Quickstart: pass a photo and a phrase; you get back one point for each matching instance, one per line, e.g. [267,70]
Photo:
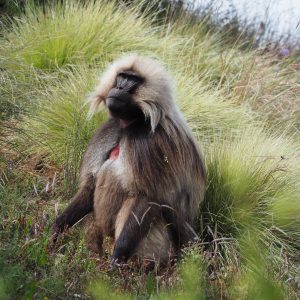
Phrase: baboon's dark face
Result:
[120,99]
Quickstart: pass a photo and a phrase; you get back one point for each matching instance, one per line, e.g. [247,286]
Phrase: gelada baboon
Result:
[142,175]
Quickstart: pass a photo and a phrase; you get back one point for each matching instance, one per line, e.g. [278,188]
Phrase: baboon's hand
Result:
[56,230]
[120,254]
[116,263]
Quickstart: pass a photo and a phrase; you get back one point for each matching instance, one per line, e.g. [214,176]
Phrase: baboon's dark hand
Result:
[120,255]
[117,263]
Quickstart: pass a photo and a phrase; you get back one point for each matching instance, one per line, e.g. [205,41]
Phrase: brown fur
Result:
[123,215]
[149,196]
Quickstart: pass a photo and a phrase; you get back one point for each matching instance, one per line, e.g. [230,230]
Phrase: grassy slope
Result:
[250,218]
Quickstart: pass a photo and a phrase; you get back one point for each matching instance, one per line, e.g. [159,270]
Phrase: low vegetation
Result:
[243,106]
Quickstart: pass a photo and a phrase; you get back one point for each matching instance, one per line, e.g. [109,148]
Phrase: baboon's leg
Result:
[122,216]
[157,246]
[94,237]
[133,223]
[81,204]
[176,227]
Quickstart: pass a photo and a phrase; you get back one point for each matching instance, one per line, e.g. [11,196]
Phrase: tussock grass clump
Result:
[58,126]
[72,32]
[253,183]
[61,115]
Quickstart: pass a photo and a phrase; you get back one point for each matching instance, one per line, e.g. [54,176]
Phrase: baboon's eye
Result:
[120,82]
[128,81]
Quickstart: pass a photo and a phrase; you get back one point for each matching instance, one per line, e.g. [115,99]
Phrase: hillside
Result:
[243,106]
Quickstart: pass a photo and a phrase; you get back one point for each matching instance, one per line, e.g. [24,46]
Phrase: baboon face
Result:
[120,99]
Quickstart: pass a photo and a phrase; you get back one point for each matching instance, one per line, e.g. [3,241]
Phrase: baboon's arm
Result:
[81,204]
[105,138]
[135,229]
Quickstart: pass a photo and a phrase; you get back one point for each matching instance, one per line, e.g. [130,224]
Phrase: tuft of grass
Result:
[59,126]
[253,187]
[58,36]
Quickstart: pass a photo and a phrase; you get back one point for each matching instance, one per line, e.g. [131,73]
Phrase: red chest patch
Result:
[114,153]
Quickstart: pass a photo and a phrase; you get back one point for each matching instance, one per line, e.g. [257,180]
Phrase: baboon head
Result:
[135,88]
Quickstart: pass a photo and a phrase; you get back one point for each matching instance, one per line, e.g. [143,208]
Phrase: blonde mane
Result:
[155,96]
